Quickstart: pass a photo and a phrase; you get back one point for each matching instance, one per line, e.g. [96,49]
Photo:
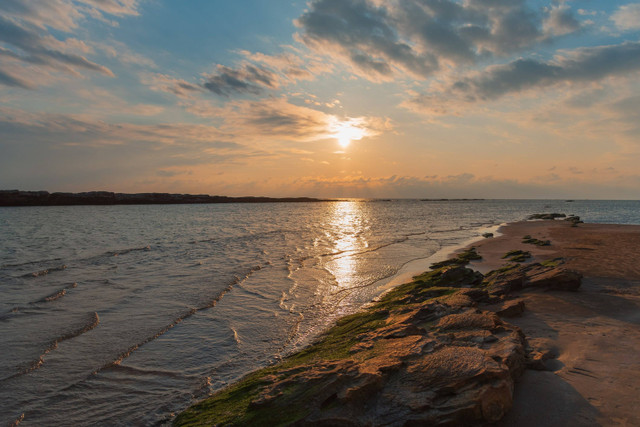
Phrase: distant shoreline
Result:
[12,198]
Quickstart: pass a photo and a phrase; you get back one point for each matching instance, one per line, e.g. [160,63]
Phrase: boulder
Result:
[550,275]
[511,308]
[553,278]
[503,282]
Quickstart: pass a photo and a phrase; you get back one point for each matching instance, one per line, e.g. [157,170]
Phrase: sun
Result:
[344,140]
[347,131]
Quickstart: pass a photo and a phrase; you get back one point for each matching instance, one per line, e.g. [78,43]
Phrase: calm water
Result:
[124,315]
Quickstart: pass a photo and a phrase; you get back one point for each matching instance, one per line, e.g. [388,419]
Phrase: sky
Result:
[322,98]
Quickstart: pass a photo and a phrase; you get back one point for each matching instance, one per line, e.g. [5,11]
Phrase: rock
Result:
[460,275]
[553,278]
[476,294]
[468,320]
[528,239]
[487,235]
[517,256]
[547,216]
[549,275]
[539,352]
[504,282]
[456,372]
[512,308]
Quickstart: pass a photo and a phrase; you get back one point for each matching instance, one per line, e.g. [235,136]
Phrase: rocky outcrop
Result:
[552,278]
[508,308]
[549,276]
[44,198]
[423,354]
[459,371]
[430,352]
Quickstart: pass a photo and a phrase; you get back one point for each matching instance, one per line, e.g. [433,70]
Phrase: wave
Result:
[126,251]
[22,264]
[348,252]
[242,238]
[55,296]
[93,322]
[50,298]
[204,388]
[17,421]
[45,271]
[151,372]
[236,337]
[91,259]
[187,314]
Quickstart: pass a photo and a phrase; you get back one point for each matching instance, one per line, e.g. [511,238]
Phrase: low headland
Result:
[44,198]
[538,326]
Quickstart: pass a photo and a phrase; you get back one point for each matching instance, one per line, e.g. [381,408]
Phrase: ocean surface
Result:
[125,315]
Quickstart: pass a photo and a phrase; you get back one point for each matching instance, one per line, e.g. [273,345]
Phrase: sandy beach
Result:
[593,333]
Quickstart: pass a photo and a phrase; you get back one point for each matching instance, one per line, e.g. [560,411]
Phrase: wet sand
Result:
[594,332]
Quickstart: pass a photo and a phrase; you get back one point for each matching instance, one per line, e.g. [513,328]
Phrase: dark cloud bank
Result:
[420,36]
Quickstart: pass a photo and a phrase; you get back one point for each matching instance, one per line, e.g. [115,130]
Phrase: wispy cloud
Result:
[26,32]
[164,83]
[247,79]
[9,80]
[278,119]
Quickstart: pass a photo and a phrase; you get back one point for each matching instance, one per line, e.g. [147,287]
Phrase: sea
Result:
[126,315]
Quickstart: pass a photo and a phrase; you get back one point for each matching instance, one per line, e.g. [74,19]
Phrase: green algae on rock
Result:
[517,256]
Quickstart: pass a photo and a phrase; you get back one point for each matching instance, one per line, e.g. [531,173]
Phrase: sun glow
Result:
[347,131]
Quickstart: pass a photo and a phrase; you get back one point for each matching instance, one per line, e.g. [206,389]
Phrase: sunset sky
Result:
[327,98]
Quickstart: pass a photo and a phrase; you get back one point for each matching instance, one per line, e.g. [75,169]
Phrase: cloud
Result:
[114,7]
[583,65]
[380,40]
[291,67]
[466,185]
[256,74]
[66,150]
[363,35]
[26,30]
[164,83]
[627,17]
[64,15]
[10,80]
[247,79]
[277,119]
[560,21]
[58,14]
[30,46]
[124,54]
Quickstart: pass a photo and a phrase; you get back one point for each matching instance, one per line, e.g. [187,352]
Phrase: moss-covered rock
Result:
[530,240]
[517,256]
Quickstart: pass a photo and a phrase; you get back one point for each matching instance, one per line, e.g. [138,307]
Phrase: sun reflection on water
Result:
[349,225]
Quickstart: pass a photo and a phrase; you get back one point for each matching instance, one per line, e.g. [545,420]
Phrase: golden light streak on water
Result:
[349,223]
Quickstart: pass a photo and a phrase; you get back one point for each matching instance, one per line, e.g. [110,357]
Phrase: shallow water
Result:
[125,315]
